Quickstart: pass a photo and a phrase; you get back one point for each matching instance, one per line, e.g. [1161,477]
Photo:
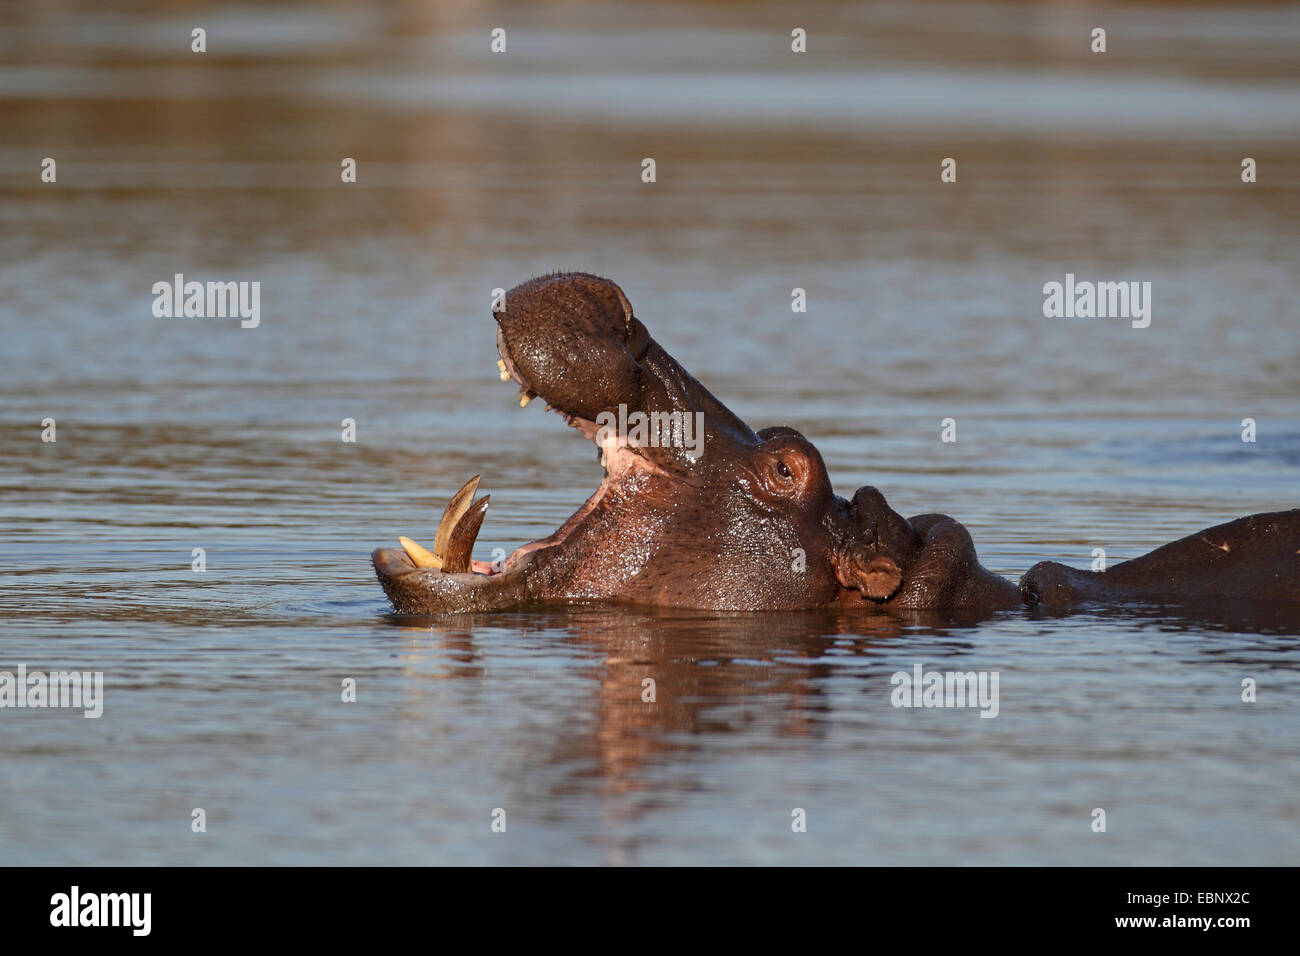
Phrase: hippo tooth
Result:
[456,560]
[419,554]
[456,508]
[501,370]
[525,396]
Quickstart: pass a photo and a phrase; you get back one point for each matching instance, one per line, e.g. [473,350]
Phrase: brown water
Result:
[222,688]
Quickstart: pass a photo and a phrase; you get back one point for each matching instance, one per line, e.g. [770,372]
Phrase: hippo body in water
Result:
[697,510]
[1256,558]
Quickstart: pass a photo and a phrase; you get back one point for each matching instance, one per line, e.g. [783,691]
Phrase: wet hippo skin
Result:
[1257,557]
[705,512]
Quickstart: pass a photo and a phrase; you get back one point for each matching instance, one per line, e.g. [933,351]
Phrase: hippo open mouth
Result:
[697,510]
[458,529]
[572,341]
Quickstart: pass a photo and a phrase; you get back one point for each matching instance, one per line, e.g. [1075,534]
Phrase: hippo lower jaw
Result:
[523,576]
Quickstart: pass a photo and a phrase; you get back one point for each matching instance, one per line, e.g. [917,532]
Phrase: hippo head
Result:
[695,509]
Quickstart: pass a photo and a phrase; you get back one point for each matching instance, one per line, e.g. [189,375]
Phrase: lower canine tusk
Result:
[422,557]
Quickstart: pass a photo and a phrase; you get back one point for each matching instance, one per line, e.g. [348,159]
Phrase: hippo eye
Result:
[782,470]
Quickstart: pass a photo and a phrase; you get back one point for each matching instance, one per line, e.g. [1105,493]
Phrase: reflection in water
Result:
[710,675]
[718,674]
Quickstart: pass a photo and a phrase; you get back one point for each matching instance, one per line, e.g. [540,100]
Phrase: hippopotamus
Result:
[698,510]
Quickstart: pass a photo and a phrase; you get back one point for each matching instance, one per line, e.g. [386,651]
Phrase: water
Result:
[223,689]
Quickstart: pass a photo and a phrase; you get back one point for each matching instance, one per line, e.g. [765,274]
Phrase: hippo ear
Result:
[877,576]
[778,431]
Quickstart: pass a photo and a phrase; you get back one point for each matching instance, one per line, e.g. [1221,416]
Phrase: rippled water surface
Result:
[222,688]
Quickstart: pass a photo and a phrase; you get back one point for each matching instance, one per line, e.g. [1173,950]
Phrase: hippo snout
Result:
[572,339]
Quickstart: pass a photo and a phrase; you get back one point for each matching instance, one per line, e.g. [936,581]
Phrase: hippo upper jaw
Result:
[572,340]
